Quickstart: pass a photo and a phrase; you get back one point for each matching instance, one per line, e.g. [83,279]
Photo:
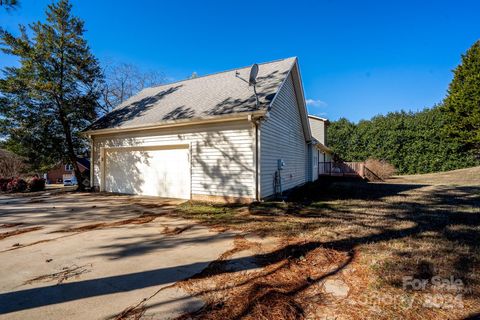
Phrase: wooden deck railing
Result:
[350,169]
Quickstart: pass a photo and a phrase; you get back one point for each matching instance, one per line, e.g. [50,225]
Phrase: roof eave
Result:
[321,146]
[303,109]
[311,116]
[179,123]
[300,95]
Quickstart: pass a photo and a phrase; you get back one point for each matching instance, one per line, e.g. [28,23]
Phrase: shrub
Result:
[381,169]
[36,184]
[17,185]
[3,184]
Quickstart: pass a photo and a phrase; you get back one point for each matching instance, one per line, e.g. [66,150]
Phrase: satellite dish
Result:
[252,80]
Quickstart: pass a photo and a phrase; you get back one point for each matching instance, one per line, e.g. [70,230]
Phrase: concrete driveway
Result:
[92,256]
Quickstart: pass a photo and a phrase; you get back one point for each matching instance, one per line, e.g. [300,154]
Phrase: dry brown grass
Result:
[7,234]
[369,235]
[460,177]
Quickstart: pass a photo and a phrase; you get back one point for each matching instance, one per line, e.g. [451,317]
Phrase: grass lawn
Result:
[408,248]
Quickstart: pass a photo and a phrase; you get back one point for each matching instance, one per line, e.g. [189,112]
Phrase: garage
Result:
[162,171]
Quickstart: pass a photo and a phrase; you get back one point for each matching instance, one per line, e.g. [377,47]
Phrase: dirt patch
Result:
[154,203]
[17,232]
[175,231]
[65,274]
[102,225]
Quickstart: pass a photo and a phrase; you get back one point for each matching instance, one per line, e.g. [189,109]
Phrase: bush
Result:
[381,169]
[3,184]
[17,185]
[36,184]
[20,185]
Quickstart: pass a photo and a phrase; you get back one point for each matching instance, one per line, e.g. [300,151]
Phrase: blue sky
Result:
[357,58]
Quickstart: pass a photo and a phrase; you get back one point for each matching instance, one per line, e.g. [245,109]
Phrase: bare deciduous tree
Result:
[11,165]
[123,80]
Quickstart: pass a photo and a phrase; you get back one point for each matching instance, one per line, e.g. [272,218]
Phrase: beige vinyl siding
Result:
[315,160]
[222,155]
[282,137]
[318,130]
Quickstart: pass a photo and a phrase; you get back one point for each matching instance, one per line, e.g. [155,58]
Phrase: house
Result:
[66,170]
[322,155]
[208,138]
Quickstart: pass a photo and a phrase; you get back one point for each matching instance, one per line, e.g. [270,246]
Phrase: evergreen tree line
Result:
[444,137]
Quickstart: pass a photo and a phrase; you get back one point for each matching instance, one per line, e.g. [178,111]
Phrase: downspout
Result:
[310,161]
[256,127]
[318,164]
[92,164]
[257,175]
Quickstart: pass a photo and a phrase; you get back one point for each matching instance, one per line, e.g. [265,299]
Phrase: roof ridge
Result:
[218,72]
[121,105]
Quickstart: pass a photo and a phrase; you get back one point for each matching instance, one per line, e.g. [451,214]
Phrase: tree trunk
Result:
[71,150]
[73,159]
[66,126]
[78,174]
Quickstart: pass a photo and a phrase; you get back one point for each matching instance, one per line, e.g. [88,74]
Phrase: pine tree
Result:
[462,104]
[9,4]
[53,94]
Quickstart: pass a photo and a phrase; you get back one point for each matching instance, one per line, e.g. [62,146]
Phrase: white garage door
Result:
[159,171]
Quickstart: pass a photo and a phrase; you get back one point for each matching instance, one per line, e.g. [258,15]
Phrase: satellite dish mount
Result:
[252,80]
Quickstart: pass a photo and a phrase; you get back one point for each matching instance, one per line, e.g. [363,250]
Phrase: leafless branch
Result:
[11,165]
[123,80]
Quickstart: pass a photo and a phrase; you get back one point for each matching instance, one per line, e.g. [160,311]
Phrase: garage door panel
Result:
[154,172]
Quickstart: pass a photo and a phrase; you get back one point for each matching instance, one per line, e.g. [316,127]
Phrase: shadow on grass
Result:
[333,188]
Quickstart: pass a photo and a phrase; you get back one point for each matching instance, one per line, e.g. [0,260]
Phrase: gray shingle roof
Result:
[213,95]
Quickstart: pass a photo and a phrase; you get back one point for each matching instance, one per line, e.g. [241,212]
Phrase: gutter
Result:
[179,123]
[92,164]
[322,147]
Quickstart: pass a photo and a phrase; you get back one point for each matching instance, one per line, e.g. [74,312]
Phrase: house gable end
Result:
[284,135]
[294,74]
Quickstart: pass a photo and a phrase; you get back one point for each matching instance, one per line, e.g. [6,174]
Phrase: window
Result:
[69,167]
